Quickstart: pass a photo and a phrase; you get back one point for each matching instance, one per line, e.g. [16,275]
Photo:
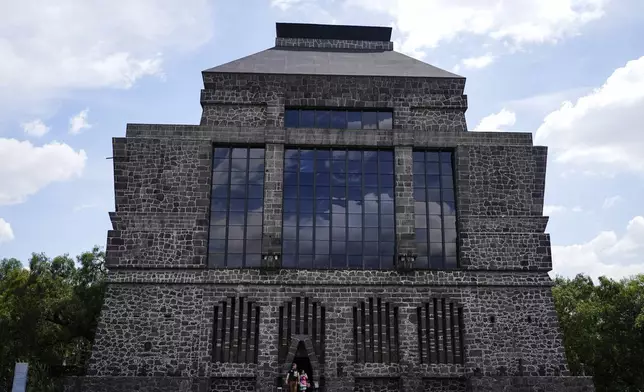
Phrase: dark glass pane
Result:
[385,120]
[354,120]
[387,207]
[289,247]
[355,261]
[322,118]
[306,234]
[372,262]
[216,260]
[371,167]
[388,233]
[235,246]
[354,248]
[386,181]
[419,168]
[419,194]
[448,195]
[386,156]
[369,120]
[432,168]
[446,157]
[434,195]
[387,248]
[305,247]
[387,262]
[305,261]
[290,192]
[217,246]
[447,182]
[338,261]
[339,119]
[307,179]
[220,192]
[419,180]
[291,118]
[256,191]
[370,234]
[322,247]
[256,165]
[322,179]
[253,260]
[450,262]
[433,182]
[387,221]
[288,261]
[422,262]
[306,191]
[307,118]
[432,156]
[290,234]
[386,167]
[419,156]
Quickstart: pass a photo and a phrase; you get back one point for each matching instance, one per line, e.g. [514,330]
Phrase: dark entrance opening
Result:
[302,361]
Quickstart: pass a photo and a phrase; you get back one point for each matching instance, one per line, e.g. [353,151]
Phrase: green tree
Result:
[48,314]
[603,328]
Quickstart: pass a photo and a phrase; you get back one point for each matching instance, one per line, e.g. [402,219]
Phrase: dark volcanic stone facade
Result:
[163,303]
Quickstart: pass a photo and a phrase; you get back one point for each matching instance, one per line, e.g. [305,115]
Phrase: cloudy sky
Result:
[74,72]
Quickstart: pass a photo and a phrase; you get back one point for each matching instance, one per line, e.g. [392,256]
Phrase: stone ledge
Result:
[331,277]
[419,138]
[528,384]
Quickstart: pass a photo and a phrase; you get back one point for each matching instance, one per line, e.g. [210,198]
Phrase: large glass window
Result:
[237,202]
[338,209]
[435,209]
[338,119]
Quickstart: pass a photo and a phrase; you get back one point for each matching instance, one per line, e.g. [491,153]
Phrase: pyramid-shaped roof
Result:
[304,60]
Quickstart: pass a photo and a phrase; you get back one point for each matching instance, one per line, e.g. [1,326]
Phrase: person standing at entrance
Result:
[293,379]
[304,381]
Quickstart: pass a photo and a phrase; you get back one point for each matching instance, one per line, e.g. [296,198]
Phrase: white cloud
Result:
[35,128]
[610,202]
[550,210]
[79,122]
[25,168]
[284,4]
[494,122]
[604,255]
[49,50]
[601,131]
[478,62]
[553,209]
[6,233]
[428,23]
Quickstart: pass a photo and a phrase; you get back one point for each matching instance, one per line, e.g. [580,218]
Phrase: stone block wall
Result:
[254,100]
[162,193]
[161,326]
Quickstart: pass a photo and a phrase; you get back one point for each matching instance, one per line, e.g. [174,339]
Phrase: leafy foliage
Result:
[603,327]
[48,314]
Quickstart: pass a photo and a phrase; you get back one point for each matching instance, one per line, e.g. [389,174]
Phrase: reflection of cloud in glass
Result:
[353,224]
[236,207]
[435,209]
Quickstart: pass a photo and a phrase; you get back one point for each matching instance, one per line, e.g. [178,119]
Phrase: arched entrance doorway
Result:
[301,353]
[303,362]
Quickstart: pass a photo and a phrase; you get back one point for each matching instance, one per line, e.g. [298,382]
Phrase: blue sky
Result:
[75,72]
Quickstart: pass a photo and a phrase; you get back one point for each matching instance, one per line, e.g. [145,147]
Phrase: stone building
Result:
[330,209]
